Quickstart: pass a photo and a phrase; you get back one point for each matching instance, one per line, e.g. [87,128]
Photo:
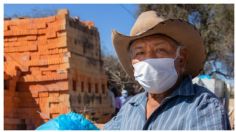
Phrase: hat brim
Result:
[181,31]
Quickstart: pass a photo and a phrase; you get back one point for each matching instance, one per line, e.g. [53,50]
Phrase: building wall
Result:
[41,69]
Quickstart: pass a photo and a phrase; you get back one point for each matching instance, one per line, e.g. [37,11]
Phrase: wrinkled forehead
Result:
[155,39]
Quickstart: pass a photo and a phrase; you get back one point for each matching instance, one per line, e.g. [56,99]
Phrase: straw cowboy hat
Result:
[150,23]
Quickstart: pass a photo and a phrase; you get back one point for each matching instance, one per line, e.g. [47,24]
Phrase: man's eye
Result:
[139,53]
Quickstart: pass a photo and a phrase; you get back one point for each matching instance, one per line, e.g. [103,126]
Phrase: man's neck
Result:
[158,98]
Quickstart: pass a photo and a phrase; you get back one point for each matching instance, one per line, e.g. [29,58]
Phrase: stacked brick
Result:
[44,69]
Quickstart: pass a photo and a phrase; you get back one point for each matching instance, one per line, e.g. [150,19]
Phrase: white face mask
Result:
[156,75]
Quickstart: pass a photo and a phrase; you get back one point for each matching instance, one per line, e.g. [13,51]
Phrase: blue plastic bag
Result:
[69,121]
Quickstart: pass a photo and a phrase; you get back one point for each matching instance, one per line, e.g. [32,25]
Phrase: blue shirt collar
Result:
[184,89]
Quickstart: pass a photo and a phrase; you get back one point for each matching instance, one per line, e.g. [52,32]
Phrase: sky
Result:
[105,17]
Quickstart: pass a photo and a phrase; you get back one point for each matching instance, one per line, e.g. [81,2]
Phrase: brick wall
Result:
[52,65]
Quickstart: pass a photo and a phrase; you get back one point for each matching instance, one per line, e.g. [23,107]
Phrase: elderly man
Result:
[164,56]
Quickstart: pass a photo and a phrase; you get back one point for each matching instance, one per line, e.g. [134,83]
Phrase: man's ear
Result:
[183,59]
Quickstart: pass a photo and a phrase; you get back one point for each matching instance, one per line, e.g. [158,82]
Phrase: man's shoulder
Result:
[137,96]
[204,96]
[208,107]
[136,99]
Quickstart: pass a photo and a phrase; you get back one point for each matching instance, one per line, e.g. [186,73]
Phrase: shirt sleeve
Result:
[209,115]
[115,122]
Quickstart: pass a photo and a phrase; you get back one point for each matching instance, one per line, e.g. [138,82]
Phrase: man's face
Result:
[156,46]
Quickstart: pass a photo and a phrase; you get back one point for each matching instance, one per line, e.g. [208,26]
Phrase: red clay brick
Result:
[32,37]
[43,94]
[41,48]
[51,33]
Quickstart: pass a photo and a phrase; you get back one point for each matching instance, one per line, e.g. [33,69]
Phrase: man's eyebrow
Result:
[138,47]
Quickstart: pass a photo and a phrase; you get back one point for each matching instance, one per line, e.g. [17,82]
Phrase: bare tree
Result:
[117,77]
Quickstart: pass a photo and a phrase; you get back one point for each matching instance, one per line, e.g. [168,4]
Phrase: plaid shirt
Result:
[189,107]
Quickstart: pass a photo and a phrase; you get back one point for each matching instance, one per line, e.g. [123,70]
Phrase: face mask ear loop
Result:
[177,52]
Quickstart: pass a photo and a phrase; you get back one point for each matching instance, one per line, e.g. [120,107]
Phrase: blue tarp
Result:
[69,121]
[204,76]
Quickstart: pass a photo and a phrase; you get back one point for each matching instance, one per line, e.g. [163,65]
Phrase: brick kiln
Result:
[52,65]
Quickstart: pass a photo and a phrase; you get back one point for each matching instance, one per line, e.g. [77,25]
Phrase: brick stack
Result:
[37,48]
[40,65]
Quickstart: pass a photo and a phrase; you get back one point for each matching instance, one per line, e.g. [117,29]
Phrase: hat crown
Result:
[144,22]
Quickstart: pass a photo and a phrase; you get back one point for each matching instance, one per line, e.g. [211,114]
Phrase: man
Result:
[164,56]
